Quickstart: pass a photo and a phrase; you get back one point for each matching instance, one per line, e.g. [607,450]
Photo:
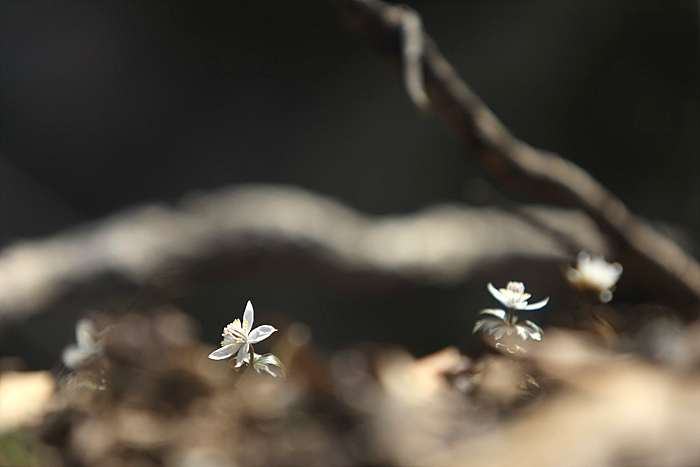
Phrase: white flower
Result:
[267,363]
[504,324]
[88,345]
[238,338]
[514,297]
[594,273]
[498,326]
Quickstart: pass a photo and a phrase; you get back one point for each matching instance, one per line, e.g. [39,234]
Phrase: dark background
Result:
[109,104]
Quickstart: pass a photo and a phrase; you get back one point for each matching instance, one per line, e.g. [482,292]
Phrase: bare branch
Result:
[515,164]
[218,234]
[411,29]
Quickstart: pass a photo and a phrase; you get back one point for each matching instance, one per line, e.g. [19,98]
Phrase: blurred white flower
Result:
[514,297]
[596,274]
[88,345]
[498,326]
[267,363]
[238,338]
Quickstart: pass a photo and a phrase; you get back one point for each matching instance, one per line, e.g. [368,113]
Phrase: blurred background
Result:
[109,105]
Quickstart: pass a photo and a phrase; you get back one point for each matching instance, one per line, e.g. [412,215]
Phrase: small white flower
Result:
[88,345]
[503,325]
[514,297]
[238,338]
[267,363]
[594,273]
[497,326]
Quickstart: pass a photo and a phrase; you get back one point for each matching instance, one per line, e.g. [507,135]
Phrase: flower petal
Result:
[573,276]
[497,294]
[489,323]
[583,257]
[499,331]
[226,351]
[274,370]
[535,306]
[242,352]
[228,340]
[534,326]
[495,312]
[248,317]
[522,331]
[535,331]
[73,357]
[270,364]
[260,333]
[86,335]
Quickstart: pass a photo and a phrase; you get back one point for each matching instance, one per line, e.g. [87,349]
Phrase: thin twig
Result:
[411,28]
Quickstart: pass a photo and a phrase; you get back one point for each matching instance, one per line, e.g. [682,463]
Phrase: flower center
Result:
[236,332]
[516,288]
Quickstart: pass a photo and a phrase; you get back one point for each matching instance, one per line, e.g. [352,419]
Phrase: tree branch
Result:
[645,252]
[284,231]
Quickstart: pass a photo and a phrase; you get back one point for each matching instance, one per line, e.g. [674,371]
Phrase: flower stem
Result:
[247,368]
[601,326]
[511,315]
